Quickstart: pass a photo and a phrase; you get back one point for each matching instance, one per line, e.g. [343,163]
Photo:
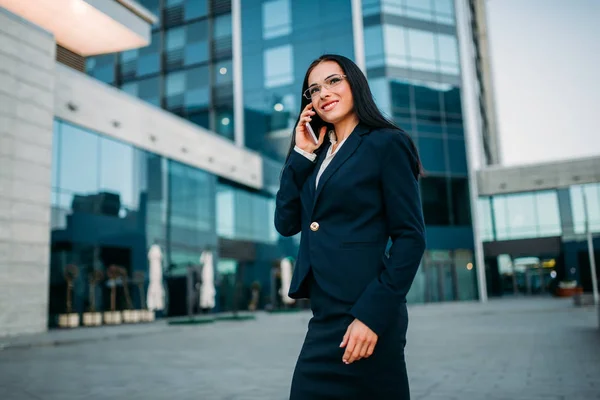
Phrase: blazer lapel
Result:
[320,158]
[347,149]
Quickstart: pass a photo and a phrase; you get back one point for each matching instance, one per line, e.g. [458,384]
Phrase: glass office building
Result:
[411,57]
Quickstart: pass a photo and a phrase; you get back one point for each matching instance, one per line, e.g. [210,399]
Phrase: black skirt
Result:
[320,372]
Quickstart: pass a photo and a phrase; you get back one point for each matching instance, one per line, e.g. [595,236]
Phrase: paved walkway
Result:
[519,349]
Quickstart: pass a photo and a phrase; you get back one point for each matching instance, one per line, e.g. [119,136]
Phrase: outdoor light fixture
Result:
[116,123]
[71,106]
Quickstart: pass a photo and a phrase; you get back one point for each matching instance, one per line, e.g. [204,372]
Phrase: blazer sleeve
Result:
[380,302]
[288,206]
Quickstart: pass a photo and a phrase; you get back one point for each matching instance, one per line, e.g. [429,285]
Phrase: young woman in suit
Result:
[348,194]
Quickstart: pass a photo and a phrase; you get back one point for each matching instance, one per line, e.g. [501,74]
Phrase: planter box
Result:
[113,318]
[148,315]
[569,292]
[132,316]
[92,319]
[68,320]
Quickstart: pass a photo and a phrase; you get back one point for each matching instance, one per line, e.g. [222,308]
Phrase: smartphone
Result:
[312,133]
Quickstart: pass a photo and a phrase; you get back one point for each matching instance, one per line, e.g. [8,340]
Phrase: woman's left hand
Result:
[359,341]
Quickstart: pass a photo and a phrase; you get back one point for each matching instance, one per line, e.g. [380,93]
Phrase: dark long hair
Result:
[364,105]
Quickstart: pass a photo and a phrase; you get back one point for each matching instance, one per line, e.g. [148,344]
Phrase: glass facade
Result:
[111,201]
[413,68]
[279,40]
[187,67]
[412,59]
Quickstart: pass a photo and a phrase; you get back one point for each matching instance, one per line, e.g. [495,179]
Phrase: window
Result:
[241,215]
[419,9]
[283,112]
[197,88]
[102,68]
[188,89]
[444,11]
[224,123]
[278,66]
[141,62]
[484,213]
[448,54]
[395,46]
[192,203]
[195,9]
[277,19]
[222,27]
[374,50]
[78,160]
[452,105]
[461,201]
[432,154]
[392,7]
[187,45]
[146,89]
[177,12]
[548,214]
[458,156]
[223,71]
[380,88]
[427,99]
[435,201]
[117,171]
[422,50]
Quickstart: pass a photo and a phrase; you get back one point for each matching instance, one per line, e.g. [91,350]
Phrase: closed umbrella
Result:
[207,290]
[155,299]
[286,279]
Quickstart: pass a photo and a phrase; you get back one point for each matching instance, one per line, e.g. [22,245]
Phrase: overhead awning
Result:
[89,27]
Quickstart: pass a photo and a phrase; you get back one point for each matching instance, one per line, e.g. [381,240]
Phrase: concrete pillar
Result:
[27,62]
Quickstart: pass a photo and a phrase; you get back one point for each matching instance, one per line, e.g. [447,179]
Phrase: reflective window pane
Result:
[374,50]
[222,26]
[395,48]
[79,160]
[277,19]
[458,156]
[223,72]
[461,201]
[196,9]
[432,154]
[117,172]
[278,66]
[420,9]
[434,195]
[548,214]
[484,215]
[421,44]
[448,54]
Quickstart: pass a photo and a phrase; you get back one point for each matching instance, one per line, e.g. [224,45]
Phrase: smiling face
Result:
[333,104]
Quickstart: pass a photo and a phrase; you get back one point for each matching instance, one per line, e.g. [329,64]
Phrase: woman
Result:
[348,195]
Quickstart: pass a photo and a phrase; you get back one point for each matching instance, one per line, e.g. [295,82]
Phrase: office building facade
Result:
[179,140]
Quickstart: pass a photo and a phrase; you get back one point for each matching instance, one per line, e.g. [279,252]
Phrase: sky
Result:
[546,71]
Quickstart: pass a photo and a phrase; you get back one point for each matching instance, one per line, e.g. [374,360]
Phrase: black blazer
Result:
[368,194]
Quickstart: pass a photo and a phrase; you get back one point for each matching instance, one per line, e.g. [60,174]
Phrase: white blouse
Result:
[328,158]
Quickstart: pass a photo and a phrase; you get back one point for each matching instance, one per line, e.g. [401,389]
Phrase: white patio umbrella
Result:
[155,299]
[286,280]
[207,290]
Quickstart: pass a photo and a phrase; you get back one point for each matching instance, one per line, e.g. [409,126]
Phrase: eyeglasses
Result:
[328,83]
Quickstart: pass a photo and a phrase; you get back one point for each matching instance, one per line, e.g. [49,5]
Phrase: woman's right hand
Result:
[304,139]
